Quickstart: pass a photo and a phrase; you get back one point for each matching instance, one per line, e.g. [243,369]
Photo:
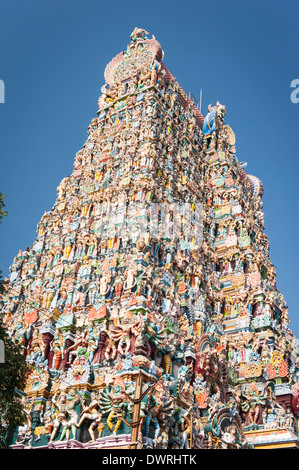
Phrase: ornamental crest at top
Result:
[142,54]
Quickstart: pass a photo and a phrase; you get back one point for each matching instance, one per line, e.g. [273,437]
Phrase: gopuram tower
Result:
[147,307]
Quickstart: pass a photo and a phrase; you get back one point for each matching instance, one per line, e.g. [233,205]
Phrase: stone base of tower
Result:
[122,441]
[272,439]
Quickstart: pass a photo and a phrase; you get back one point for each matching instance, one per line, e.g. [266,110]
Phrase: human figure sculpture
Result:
[60,417]
[104,285]
[93,413]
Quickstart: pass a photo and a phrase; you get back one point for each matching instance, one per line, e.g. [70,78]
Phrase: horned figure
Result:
[213,119]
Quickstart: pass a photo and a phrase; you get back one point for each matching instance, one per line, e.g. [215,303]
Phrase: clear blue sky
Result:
[243,53]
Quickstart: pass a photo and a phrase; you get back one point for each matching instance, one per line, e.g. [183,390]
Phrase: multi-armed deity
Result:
[147,307]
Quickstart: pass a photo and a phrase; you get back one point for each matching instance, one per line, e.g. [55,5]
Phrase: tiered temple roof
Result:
[147,307]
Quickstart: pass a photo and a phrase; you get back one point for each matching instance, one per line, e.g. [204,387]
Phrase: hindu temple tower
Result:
[147,307]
